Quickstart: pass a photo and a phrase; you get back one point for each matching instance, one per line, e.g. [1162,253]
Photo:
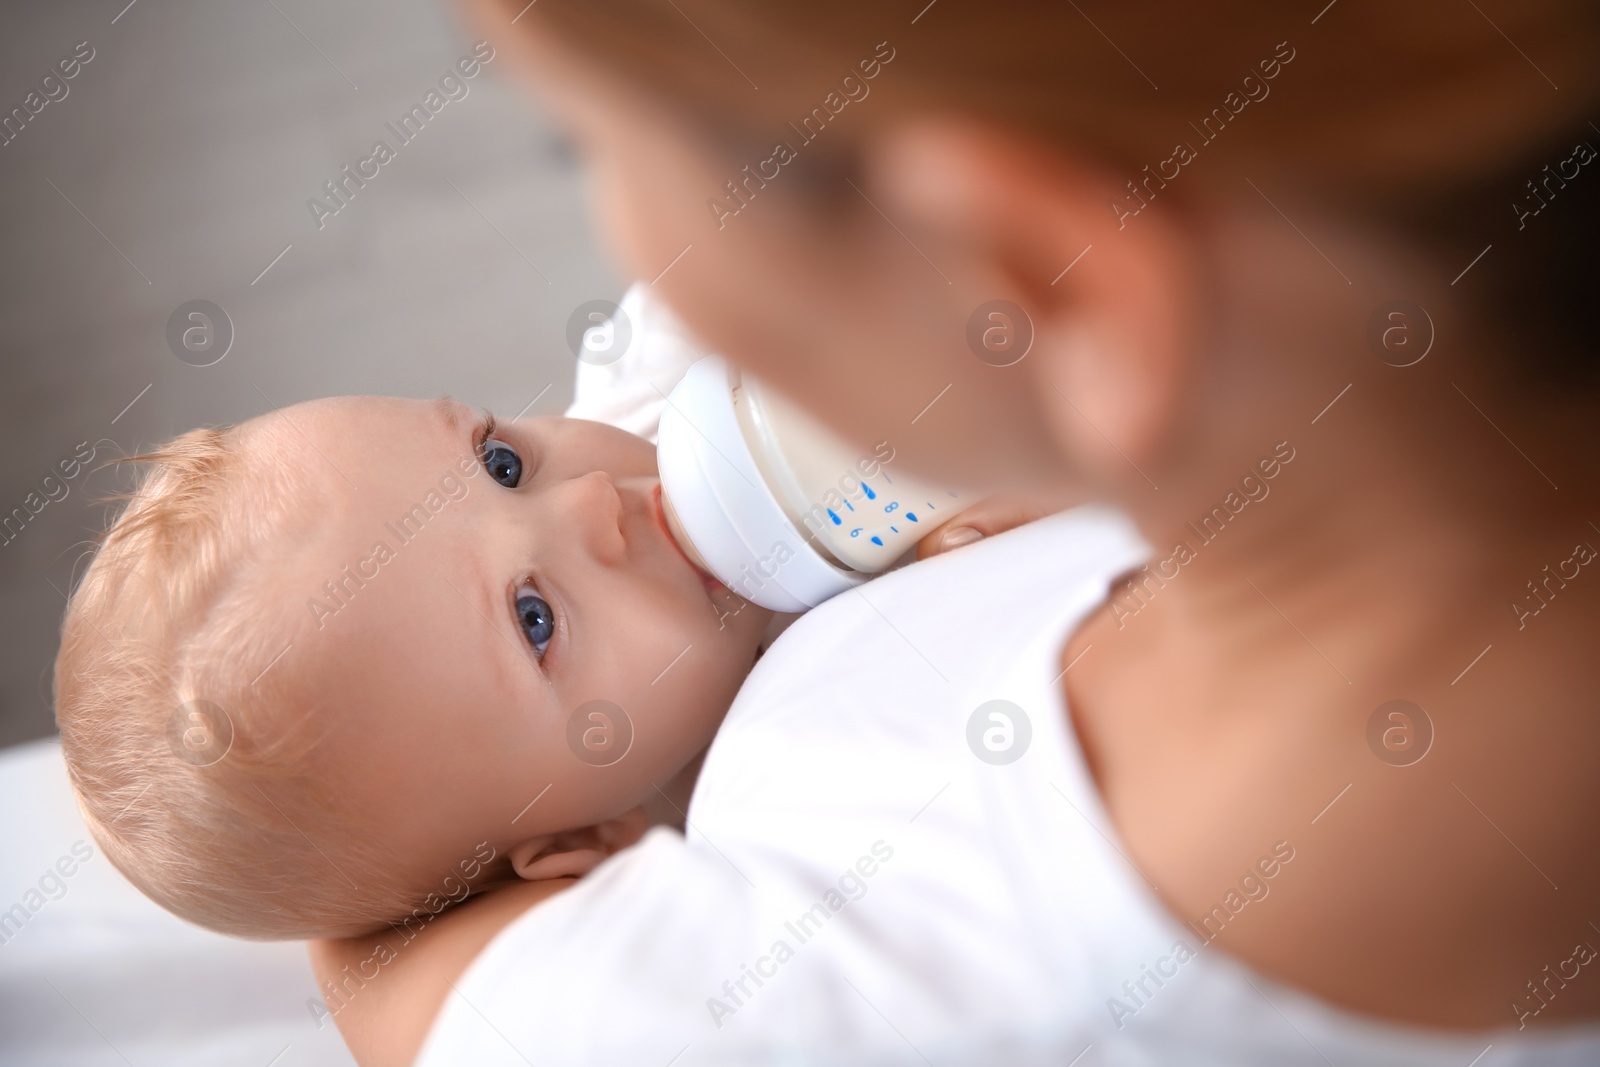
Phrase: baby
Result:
[357,659]
[353,660]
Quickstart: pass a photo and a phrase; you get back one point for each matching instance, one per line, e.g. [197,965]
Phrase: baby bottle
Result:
[771,503]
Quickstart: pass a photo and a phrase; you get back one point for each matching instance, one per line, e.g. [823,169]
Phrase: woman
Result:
[1299,293]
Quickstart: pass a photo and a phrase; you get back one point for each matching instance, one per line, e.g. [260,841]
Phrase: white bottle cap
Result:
[715,489]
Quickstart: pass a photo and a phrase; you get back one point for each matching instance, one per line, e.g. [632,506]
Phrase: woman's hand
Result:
[991,515]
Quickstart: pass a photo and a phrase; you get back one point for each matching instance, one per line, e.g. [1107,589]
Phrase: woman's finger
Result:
[989,516]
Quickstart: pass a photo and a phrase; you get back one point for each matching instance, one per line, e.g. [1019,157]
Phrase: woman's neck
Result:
[1327,503]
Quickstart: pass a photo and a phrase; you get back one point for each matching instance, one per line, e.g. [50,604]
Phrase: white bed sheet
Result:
[100,975]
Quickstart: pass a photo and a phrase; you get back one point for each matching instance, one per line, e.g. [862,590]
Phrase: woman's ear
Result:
[1109,295]
[574,853]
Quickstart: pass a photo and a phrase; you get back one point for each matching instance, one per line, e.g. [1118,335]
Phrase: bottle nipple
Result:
[679,537]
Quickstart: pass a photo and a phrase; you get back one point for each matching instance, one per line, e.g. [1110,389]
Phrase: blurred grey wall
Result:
[177,167]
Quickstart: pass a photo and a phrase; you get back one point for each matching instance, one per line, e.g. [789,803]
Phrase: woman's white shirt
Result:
[884,864]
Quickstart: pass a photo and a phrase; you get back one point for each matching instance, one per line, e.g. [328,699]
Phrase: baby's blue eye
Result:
[502,463]
[538,621]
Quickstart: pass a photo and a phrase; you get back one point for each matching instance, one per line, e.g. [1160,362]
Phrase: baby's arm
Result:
[386,1025]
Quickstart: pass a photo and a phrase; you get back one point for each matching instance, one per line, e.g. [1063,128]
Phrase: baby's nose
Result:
[592,505]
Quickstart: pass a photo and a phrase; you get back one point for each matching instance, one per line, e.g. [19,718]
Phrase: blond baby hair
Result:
[190,748]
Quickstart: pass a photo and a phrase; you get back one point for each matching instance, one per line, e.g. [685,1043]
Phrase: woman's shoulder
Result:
[1444,847]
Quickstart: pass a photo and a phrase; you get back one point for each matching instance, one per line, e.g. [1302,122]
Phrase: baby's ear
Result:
[574,853]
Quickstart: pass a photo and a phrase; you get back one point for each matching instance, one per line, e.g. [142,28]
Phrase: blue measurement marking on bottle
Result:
[870,494]
[886,477]
[911,515]
[896,529]
[836,520]
[849,505]
[931,507]
[877,540]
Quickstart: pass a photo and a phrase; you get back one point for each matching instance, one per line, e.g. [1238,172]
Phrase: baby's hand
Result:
[991,515]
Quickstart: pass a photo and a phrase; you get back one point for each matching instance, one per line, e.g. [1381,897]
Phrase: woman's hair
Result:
[189,746]
[1432,120]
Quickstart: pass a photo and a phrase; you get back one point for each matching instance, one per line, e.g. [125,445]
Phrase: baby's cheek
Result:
[742,630]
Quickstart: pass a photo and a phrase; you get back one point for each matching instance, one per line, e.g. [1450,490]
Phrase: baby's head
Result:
[361,656]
